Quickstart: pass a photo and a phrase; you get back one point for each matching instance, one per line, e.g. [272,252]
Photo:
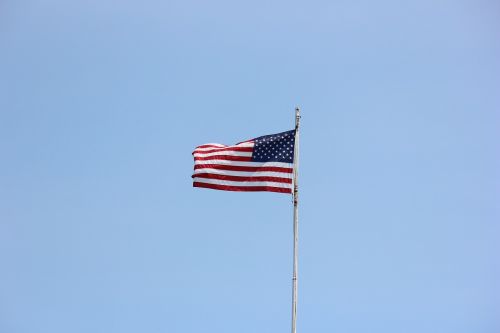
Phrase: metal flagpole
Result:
[295,219]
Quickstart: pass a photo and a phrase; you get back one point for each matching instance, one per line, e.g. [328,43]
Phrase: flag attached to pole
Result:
[261,164]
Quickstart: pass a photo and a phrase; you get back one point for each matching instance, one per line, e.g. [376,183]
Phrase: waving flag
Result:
[261,164]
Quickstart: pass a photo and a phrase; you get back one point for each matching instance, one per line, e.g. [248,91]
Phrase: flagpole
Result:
[295,219]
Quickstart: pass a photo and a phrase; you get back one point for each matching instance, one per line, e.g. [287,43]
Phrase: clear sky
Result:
[102,103]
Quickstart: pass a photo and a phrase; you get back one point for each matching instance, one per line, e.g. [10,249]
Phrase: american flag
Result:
[261,164]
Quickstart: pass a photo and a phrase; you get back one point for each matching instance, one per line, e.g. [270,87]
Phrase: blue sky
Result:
[102,103]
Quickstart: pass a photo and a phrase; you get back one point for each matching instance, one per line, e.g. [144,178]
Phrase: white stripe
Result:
[250,164]
[245,173]
[246,184]
[245,144]
[226,153]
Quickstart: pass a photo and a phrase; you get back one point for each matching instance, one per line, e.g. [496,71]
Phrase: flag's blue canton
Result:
[274,148]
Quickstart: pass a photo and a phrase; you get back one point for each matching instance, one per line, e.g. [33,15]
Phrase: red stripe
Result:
[243,179]
[242,168]
[225,158]
[243,188]
[245,149]
[251,140]
[210,146]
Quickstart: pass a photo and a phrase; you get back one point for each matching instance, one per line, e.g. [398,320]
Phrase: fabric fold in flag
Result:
[261,164]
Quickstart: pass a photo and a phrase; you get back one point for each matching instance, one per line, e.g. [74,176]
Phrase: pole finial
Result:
[297,117]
